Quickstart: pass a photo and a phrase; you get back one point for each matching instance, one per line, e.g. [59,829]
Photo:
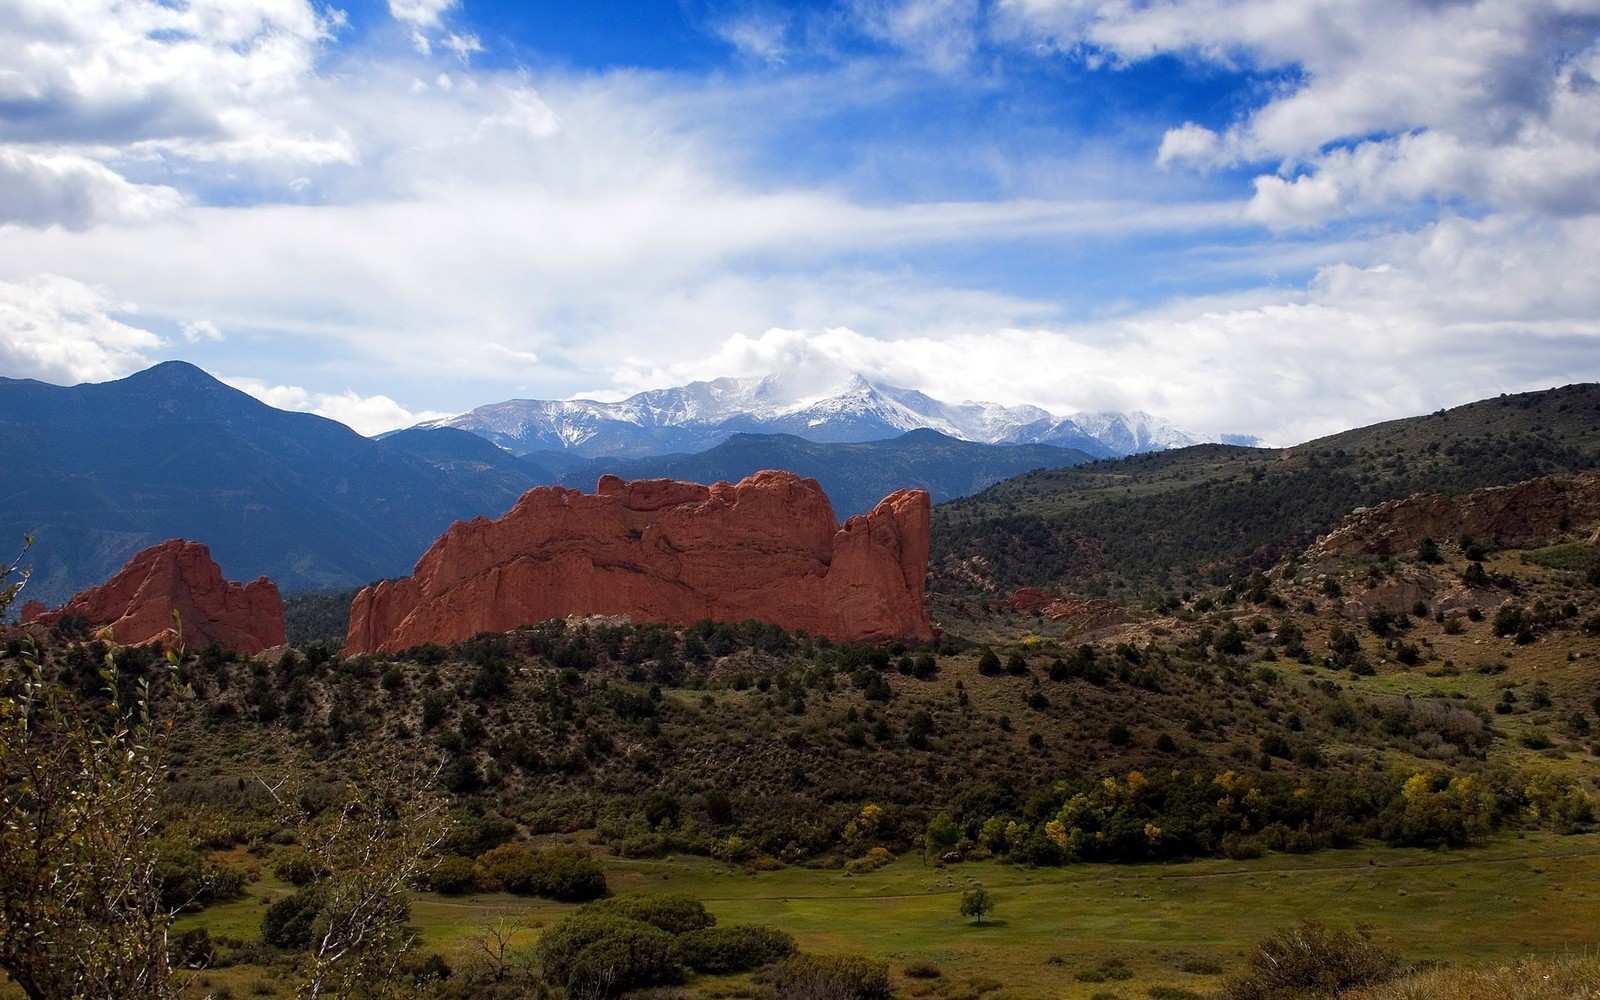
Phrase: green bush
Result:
[719,950]
[453,876]
[1311,960]
[564,874]
[289,922]
[296,867]
[833,977]
[675,913]
[601,954]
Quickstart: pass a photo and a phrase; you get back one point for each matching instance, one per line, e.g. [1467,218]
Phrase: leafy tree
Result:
[941,837]
[1428,551]
[80,881]
[976,902]
[369,846]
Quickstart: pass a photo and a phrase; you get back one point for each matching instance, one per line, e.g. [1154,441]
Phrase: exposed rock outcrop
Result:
[177,575]
[1535,512]
[656,550]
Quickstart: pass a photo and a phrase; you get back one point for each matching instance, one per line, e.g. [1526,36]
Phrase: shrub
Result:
[833,977]
[564,874]
[1308,960]
[453,876]
[601,954]
[296,867]
[989,664]
[921,970]
[719,950]
[288,923]
[675,914]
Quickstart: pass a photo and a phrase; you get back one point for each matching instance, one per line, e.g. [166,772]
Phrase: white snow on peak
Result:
[849,408]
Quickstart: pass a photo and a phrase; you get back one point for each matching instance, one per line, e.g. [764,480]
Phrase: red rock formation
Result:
[31,610]
[1535,512]
[1027,599]
[137,604]
[656,550]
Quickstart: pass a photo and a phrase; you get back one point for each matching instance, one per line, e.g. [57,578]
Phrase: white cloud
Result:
[59,330]
[1471,309]
[762,35]
[99,90]
[941,34]
[73,192]
[367,415]
[1393,101]
[195,331]
[462,46]
[422,13]
[1190,143]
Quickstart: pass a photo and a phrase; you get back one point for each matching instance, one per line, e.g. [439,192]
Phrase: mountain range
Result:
[96,472]
[702,415]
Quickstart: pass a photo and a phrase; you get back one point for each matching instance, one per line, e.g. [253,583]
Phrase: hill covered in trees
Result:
[1164,522]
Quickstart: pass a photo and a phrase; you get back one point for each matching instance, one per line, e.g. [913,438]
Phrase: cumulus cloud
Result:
[1377,101]
[367,415]
[1462,310]
[95,92]
[73,192]
[59,330]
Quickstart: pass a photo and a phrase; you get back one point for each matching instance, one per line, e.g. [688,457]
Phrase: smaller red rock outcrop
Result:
[1534,512]
[657,550]
[177,575]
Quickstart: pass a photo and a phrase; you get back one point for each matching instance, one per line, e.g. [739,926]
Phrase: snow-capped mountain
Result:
[701,415]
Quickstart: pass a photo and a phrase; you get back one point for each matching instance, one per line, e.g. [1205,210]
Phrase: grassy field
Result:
[1078,932]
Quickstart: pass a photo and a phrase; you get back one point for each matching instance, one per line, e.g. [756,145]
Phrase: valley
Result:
[1150,762]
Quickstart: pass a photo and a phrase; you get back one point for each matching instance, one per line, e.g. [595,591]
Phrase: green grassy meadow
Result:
[1076,932]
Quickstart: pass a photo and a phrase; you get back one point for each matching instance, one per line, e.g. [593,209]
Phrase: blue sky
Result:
[1275,217]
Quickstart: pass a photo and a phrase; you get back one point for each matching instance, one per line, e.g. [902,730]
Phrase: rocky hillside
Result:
[1165,522]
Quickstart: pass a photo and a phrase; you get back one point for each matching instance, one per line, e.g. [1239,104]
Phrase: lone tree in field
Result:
[975,902]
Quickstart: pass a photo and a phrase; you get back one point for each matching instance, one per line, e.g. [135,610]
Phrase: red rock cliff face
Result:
[656,550]
[1535,512]
[138,602]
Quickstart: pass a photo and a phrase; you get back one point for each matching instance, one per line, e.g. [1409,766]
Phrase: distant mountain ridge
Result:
[854,475]
[99,471]
[702,415]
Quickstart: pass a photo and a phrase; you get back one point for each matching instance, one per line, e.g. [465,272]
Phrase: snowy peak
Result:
[1134,432]
[701,415]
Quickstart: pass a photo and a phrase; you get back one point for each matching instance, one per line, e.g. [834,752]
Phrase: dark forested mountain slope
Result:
[1169,520]
[97,472]
[855,476]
